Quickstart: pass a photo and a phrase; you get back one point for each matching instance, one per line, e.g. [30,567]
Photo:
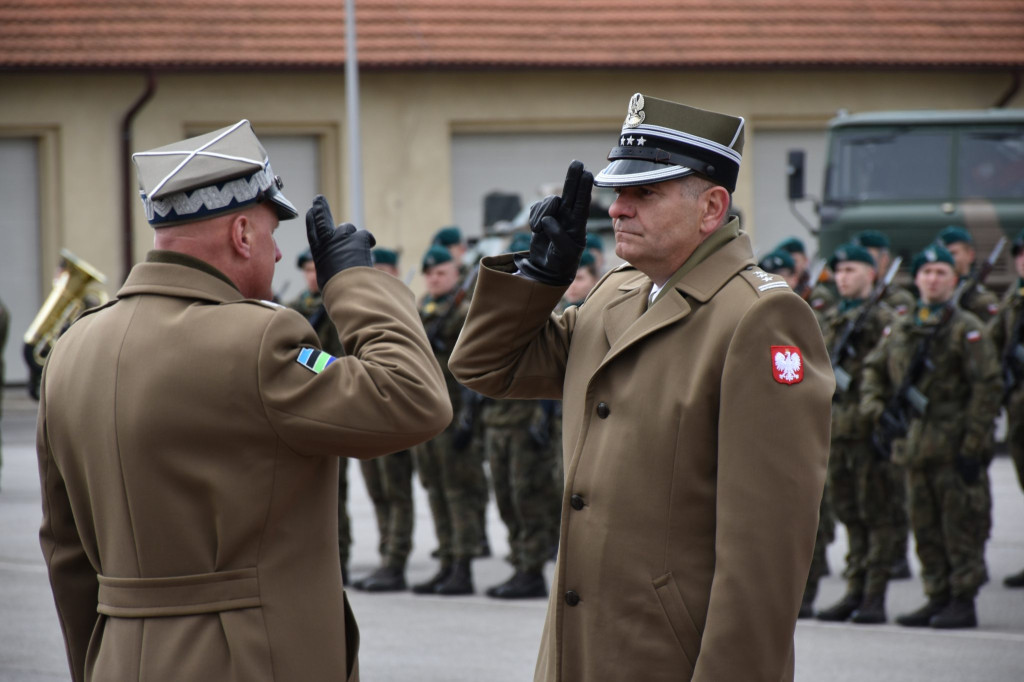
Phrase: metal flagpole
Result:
[355,155]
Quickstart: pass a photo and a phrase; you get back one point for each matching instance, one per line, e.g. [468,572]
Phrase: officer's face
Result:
[658,226]
[441,279]
[963,256]
[936,282]
[853,279]
[264,253]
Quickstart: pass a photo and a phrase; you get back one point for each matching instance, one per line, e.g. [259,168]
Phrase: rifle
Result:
[982,274]
[1013,358]
[810,277]
[434,330]
[908,401]
[843,346]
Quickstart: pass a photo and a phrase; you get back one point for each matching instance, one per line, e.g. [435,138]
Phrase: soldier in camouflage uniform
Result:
[451,474]
[309,304]
[389,484]
[901,302]
[1007,331]
[860,483]
[450,238]
[980,301]
[946,441]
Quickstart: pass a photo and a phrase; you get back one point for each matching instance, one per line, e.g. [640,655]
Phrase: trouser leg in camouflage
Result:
[344,525]
[947,516]
[374,480]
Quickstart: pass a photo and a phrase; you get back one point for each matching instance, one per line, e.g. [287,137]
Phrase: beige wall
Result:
[407,120]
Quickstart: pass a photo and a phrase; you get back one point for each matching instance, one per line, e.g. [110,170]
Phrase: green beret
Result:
[304,258]
[587,260]
[872,239]
[448,236]
[851,252]
[1018,244]
[777,260]
[435,255]
[791,245]
[594,242]
[932,254]
[520,242]
[954,234]
[385,256]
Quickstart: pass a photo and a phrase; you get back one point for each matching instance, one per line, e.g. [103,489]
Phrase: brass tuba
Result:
[76,282]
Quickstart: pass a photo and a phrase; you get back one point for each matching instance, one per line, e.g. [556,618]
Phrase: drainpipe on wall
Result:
[1011,92]
[127,182]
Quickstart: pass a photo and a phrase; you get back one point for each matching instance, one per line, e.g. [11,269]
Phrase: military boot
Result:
[523,585]
[430,587]
[871,611]
[923,616]
[459,581]
[900,569]
[385,579]
[842,609]
[1015,580]
[493,589]
[959,614]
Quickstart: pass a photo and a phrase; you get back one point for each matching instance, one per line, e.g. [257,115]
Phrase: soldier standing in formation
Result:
[450,472]
[1008,335]
[978,300]
[310,305]
[901,302]
[189,433]
[947,439]
[675,507]
[389,484]
[860,483]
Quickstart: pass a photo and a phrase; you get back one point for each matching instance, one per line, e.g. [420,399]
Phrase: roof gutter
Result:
[127,195]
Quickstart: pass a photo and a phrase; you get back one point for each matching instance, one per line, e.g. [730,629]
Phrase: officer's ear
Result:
[716,203]
[240,234]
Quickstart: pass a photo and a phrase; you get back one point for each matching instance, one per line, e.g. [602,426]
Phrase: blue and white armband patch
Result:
[314,360]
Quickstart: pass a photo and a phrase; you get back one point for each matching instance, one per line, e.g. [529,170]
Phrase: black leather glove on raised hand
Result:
[559,226]
[335,249]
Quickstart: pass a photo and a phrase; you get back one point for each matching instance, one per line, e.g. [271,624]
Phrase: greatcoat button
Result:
[571,598]
[576,502]
[602,410]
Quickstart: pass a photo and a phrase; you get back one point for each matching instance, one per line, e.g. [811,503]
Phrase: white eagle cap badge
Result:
[787,364]
[635,114]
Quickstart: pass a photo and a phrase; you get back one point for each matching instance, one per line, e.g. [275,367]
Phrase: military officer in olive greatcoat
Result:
[686,533]
[189,434]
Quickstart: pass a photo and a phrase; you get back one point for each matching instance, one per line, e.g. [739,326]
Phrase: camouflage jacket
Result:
[309,304]
[982,302]
[847,420]
[962,386]
[443,325]
[1001,329]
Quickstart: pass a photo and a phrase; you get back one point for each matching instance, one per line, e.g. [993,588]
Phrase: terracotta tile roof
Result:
[309,34]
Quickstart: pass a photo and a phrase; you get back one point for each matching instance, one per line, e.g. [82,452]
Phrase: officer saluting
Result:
[686,537]
[189,434]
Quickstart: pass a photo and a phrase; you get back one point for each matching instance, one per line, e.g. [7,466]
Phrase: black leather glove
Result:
[335,249]
[559,226]
[969,468]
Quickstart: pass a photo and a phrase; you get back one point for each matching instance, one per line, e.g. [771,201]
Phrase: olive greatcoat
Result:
[692,475]
[189,469]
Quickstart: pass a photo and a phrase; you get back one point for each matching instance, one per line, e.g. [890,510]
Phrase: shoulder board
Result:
[763,282]
[260,302]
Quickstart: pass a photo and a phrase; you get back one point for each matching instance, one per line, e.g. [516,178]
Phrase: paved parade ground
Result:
[406,637]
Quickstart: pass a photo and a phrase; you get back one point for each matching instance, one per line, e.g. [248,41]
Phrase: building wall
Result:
[408,119]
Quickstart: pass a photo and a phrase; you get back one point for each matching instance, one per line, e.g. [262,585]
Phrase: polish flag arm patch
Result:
[787,364]
[973,336]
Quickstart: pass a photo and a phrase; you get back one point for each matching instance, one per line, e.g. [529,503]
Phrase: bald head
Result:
[239,244]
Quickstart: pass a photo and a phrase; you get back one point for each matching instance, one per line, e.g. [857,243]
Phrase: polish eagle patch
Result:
[787,364]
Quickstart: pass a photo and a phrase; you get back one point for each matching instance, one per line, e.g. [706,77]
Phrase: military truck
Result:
[912,173]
